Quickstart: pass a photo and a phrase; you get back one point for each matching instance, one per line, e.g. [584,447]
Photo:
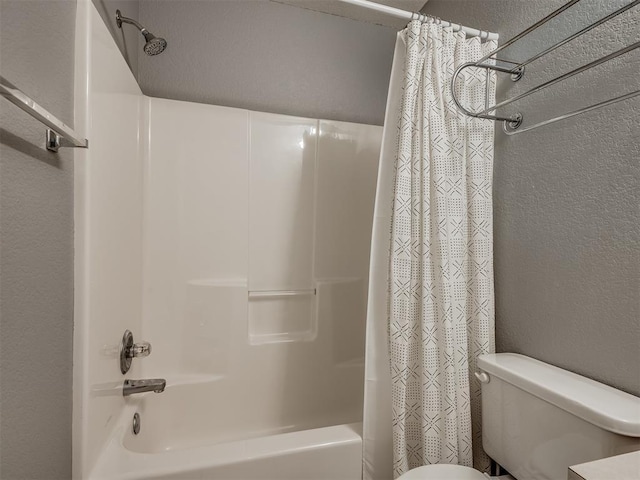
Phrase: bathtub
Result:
[177,443]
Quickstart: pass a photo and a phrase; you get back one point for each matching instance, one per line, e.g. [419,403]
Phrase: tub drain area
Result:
[136,423]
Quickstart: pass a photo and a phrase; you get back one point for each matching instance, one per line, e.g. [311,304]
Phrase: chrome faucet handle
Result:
[137,350]
[130,350]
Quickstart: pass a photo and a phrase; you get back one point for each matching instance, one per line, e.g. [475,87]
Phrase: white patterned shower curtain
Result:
[431,306]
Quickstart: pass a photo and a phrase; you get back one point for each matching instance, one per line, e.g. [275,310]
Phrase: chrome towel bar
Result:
[512,123]
[626,96]
[612,15]
[564,76]
[58,135]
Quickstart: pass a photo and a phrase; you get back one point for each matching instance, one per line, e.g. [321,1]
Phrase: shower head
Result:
[154,45]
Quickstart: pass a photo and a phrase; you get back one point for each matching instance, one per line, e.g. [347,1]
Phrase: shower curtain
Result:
[431,306]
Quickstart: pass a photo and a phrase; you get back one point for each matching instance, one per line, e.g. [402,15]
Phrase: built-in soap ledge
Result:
[282,315]
[336,306]
[219,282]
[256,294]
[269,338]
[620,467]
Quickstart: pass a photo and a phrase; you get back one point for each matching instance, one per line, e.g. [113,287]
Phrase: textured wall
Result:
[36,238]
[128,37]
[270,57]
[567,198]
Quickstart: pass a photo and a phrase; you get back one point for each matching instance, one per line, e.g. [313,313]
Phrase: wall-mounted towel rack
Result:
[58,135]
[512,123]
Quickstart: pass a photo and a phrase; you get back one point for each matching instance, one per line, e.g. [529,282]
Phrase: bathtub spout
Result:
[131,387]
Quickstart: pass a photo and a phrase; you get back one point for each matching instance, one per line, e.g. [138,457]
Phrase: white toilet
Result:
[538,420]
[443,472]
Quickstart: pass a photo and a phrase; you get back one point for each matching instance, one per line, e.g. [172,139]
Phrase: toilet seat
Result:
[443,472]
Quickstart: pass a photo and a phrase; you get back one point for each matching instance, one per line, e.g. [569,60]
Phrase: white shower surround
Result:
[155,256]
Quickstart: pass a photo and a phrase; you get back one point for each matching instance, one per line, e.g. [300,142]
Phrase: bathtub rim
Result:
[116,462]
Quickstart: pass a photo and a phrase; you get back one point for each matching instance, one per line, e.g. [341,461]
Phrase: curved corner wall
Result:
[108,233]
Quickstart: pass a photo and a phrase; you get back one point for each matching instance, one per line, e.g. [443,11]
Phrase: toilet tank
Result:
[538,419]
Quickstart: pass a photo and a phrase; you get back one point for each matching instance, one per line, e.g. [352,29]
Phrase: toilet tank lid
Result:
[594,402]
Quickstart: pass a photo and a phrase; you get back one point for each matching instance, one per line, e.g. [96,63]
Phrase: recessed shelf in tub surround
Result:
[254,294]
[335,309]
[216,282]
[277,318]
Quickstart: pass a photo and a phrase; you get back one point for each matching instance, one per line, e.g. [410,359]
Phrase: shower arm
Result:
[154,45]
[120,20]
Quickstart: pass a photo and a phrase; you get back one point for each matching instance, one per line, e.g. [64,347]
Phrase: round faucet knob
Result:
[130,350]
[142,349]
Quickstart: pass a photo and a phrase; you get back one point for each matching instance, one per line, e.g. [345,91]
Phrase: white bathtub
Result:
[173,443]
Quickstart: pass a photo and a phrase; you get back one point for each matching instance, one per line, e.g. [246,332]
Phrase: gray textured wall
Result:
[36,245]
[269,57]
[567,199]
[128,37]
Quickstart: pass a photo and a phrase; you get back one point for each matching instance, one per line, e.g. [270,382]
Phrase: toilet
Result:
[538,420]
[443,472]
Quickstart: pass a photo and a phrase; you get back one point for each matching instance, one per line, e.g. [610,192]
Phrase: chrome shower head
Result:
[154,45]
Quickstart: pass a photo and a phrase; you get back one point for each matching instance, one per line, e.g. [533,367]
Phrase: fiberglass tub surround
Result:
[247,270]
[255,278]
[255,295]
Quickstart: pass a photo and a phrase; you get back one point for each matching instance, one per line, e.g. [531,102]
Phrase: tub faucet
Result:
[131,387]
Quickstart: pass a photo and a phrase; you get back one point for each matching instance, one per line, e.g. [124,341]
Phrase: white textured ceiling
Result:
[335,7]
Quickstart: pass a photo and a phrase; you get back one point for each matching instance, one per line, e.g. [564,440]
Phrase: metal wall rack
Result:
[58,134]
[511,124]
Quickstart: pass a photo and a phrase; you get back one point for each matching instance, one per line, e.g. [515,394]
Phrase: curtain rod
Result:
[396,12]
